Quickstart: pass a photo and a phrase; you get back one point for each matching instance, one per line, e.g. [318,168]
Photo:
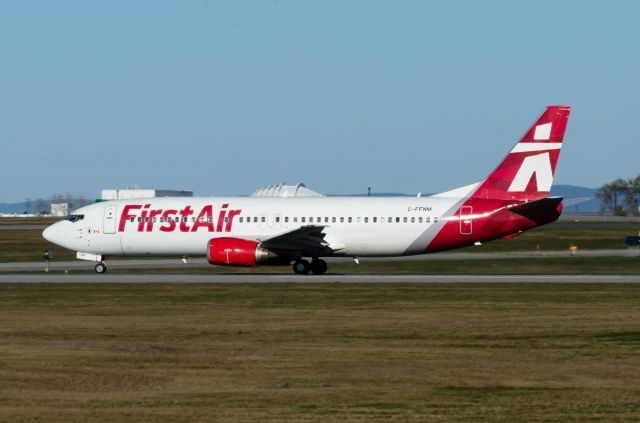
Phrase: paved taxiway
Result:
[329,278]
[177,264]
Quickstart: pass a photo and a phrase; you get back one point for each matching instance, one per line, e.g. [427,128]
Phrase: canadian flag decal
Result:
[540,164]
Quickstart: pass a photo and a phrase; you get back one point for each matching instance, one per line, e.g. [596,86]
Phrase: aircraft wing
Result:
[308,240]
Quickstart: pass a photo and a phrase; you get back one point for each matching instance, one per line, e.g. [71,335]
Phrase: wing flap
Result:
[305,240]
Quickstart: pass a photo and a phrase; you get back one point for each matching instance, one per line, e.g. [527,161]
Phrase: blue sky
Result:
[223,97]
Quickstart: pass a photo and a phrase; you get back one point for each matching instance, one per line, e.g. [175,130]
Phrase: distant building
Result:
[59,209]
[284,190]
[130,193]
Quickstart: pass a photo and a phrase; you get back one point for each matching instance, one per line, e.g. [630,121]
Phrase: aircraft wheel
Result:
[318,267]
[101,267]
[301,267]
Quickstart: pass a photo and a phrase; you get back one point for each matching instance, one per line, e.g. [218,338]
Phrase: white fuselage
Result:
[353,226]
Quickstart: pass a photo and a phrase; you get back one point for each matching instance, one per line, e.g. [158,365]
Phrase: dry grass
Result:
[351,352]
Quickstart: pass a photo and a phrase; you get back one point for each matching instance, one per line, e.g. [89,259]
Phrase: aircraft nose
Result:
[52,233]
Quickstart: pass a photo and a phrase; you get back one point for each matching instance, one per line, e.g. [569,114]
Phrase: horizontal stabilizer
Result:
[543,210]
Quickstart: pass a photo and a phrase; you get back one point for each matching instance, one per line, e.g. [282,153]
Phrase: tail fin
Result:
[527,171]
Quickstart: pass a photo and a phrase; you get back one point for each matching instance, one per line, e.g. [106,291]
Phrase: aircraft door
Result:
[110,219]
[466,221]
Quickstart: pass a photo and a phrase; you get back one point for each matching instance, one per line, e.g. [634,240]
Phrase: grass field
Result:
[326,352]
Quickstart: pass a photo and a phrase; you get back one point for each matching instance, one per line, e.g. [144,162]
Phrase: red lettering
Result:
[170,224]
[231,215]
[204,219]
[184,214]
[125,216]
[221,217]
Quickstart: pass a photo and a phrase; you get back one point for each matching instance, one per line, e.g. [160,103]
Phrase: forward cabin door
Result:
[110,219]
[466,222]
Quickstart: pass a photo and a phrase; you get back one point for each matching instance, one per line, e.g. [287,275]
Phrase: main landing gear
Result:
[101,267]
[303,267]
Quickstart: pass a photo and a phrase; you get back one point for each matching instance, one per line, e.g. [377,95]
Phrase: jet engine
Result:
[227,251]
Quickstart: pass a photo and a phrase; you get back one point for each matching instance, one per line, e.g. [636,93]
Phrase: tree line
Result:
[43,206]
[620,197]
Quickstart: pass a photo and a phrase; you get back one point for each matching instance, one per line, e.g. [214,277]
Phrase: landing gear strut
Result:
[101,267]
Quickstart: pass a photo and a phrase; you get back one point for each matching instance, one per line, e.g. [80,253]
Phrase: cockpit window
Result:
[74,217]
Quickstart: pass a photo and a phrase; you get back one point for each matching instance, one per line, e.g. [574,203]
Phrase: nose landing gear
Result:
[101,268]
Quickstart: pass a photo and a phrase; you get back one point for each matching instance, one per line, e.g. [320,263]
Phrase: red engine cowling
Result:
[236,252]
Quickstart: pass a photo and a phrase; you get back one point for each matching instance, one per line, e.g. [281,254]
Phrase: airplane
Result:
[255,231]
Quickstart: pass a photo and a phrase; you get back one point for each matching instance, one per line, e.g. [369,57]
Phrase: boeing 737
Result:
[252,231]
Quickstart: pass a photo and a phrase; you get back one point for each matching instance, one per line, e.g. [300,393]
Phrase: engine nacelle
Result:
[227,251]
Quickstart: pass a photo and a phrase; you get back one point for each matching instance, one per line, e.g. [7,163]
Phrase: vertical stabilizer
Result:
[527,171]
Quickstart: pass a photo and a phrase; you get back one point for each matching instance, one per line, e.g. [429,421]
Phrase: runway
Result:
[329,278]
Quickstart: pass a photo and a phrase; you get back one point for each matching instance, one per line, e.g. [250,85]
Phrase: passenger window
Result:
[239,219]
[286,219]
[161,219]
[133,219]
[390,220]
[333,220]
[226,219]
[255,219]
[420,220]
[193,219]
[366,220]
[342,220]
[146,219]
[139,219]
[302,219]
[435,220]
[311,220]
[295,219]
[326,220]
[262,219]
[319,220]
[277,219]
[154,219]
[428,219]
[185,220]
[349,220]
[397,220]
[375,220]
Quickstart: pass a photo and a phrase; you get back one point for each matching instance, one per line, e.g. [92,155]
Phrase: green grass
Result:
[319,352]
[559,236]
[28,245]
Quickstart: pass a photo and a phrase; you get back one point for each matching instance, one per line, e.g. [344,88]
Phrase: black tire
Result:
[318,267]
[101,268]
[301,267]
